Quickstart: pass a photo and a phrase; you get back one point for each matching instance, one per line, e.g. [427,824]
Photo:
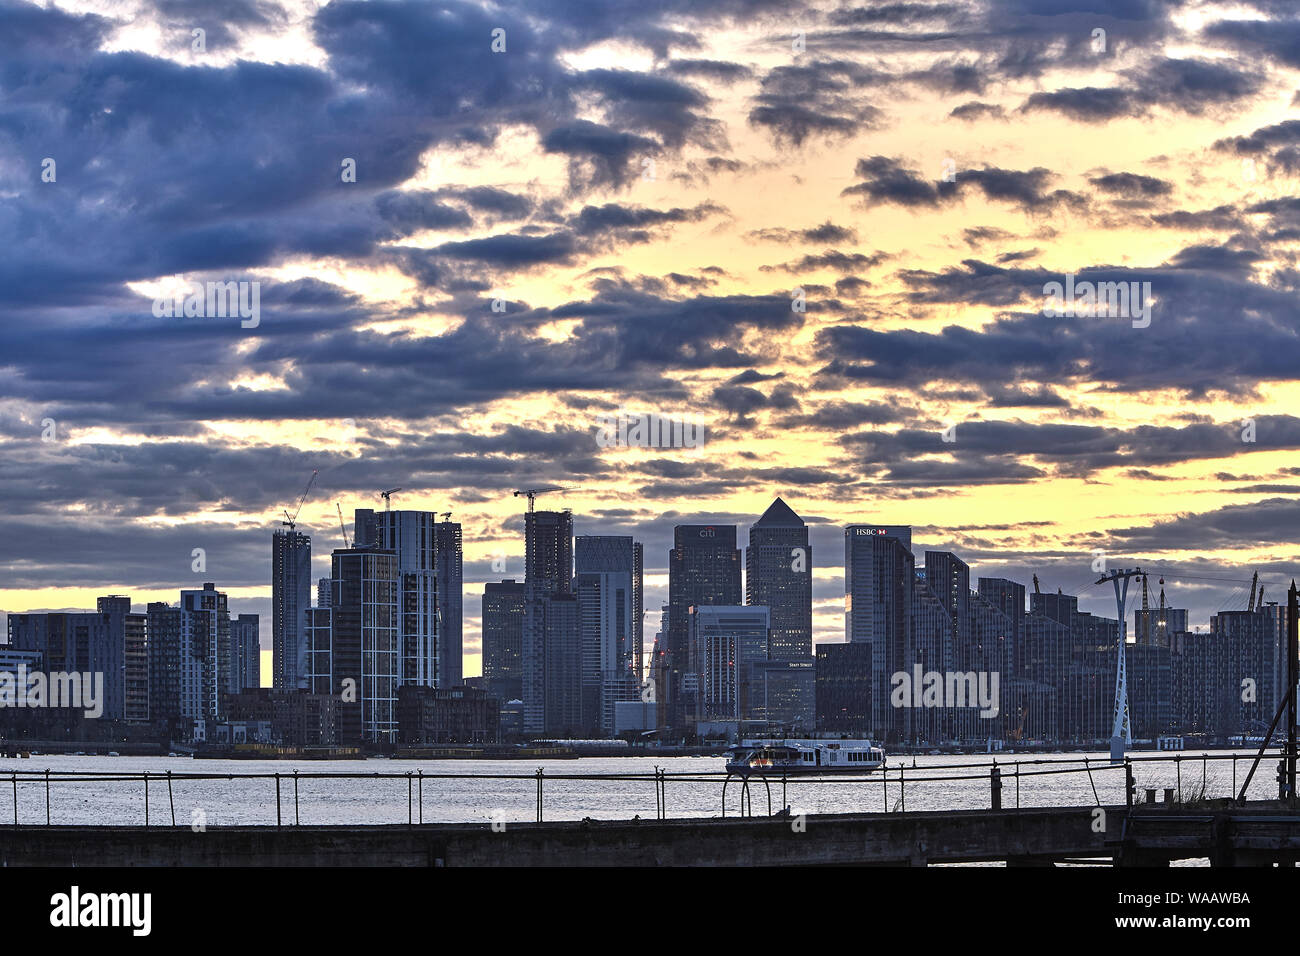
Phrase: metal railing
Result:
[900,777]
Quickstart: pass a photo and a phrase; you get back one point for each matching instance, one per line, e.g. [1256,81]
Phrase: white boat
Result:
[804,756]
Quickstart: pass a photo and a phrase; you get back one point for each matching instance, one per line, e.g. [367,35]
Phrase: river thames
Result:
[388,800]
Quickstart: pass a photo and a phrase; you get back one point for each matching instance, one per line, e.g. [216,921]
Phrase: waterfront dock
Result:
[1258,834]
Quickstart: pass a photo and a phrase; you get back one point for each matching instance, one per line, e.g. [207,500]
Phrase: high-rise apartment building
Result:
[365,649]
[552,655]
[246,644]
[503,639]
[206,653]
[290,598]
[135,656]
[413,537]
[451,590]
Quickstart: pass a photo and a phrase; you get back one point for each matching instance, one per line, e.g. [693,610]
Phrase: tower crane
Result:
[387,496]
[1254,579]
[293,518]
[1036,588]
[342,527]
[532,493]
[446,515]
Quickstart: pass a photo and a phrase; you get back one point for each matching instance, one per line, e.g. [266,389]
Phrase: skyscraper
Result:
[552,664]
[604,607]
[165,663]
[703,569]
[84,643]
[206,658]
[844,688]
[878,583]
[618,554]
[725,641]
[778,575]
[365,651]
[290,598]
[503,639]
[450,603]
[245,639]
[135,656]
[548,551]
[413,537]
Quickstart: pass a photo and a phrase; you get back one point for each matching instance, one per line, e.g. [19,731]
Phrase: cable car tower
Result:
[1121,734]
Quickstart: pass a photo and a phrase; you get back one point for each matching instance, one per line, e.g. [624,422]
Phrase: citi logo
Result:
[75,909]
[708,533]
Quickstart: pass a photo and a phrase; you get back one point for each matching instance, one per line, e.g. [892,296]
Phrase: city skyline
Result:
[828,595]
[825,235]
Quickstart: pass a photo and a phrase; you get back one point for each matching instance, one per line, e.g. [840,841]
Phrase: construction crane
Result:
[342,527]
[1036,588]
[387,496]
[446,515]
[531,493]
[1019,732]
[1254,580]
[293,518]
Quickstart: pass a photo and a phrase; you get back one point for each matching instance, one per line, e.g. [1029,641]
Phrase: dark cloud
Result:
[887,180]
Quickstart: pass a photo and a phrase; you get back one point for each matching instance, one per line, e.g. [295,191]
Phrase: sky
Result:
[824,232]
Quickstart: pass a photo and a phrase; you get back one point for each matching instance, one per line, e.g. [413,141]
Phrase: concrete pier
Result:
[1240,836]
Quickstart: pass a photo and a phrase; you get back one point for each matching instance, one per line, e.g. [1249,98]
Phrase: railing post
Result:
[539,794]
[421,786]
[1178,766]
[1017,784]
[902,789]
[171,802]
[295,798]
[47,796]
[146,798]
[15,779]
[277,799]
[1129,784]
[995,785]
[410,799]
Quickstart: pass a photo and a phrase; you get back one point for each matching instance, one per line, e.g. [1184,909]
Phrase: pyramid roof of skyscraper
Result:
[779,515]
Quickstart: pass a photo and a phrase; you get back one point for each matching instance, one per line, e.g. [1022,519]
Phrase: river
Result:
[484,800]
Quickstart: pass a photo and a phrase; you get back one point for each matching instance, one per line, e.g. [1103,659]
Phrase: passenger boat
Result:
[785,757]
